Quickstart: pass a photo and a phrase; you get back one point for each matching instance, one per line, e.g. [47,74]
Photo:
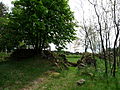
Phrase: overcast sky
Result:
[7,2]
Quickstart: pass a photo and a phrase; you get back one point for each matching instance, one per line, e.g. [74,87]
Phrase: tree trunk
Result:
[102,42]
[115,42]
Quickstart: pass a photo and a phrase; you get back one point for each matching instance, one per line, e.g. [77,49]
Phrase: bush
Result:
[23,53]
[4,56]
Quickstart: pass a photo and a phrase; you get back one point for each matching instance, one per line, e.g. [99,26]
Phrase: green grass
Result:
[67,79]
[73,58]
[15,75]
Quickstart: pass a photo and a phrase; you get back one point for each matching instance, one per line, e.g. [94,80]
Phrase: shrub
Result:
[23,53]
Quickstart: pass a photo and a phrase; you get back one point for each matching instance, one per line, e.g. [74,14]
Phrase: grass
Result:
[4,56]
[73,58]
[67,79]
[17,75]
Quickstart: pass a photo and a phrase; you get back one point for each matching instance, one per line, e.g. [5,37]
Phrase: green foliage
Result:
[23,54]
[7,38]
[41,22]
[4,56]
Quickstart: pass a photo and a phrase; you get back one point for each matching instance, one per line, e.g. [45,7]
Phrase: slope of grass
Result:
[17,74]
[67,79]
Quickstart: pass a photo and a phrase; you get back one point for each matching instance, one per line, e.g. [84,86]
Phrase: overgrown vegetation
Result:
[26,59]
[94,80]
[42,74]
[38,23]
[19,74]
[4,56]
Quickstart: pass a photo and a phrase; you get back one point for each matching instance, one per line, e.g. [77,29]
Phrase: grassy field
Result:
[31,74]
[67,80]
[19,74]
[73,58]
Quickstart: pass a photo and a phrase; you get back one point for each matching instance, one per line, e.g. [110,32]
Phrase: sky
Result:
[7,2]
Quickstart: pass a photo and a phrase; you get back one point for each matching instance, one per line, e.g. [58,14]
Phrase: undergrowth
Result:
[17,75]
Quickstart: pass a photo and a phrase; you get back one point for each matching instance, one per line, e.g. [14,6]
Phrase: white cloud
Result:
[7,2]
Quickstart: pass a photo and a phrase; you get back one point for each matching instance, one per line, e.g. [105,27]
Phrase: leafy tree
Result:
[8,39]
[40,22]
[3,22]
[3,10]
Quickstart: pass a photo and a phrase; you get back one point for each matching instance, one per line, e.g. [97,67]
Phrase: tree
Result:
[3,10]
[101,35]
[4,37]
[41,21]
[116,21]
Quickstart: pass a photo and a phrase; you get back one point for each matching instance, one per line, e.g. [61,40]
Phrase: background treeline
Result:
[35,24]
